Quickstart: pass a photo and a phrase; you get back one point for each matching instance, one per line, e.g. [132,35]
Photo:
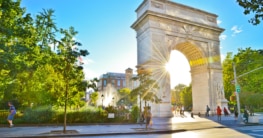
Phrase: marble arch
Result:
[163,26]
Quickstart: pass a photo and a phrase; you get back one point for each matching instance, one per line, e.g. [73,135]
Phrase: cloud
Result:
[236,30]
[222,37]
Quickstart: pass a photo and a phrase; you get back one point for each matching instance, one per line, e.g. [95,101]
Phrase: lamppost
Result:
[102,97]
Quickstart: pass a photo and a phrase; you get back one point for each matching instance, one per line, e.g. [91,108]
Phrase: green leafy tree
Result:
[72,74]
[186,97]
[248,63]
[254,7]
[247,60]
[16,30]
[228,76]
[175,94]
[93,98]
[124,97]
[147,89]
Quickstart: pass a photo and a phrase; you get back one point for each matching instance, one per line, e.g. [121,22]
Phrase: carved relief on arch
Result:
[219,89]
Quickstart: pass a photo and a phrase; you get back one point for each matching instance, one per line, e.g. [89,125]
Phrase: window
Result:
[104,83]
[118,83]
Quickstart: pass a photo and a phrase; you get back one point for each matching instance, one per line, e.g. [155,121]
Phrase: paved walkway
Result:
[161,125]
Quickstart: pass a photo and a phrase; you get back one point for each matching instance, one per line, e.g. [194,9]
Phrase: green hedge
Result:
[47,115]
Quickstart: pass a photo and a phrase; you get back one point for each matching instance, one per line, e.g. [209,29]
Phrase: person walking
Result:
[207,111]
[148,117]
[218,112]
[12,113]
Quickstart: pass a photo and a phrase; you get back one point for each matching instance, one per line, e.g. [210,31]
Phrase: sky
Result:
[104,29]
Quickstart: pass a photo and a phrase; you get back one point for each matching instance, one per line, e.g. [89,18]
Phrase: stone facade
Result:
[163,26]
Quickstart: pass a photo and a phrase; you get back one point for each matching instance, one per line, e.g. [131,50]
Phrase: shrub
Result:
[38,115]
[134,113]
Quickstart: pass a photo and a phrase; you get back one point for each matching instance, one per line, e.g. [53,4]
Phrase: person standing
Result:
[12,113]
[246,115]
[218,112]
[207,111]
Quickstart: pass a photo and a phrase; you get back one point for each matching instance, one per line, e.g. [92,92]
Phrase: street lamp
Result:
[102,97]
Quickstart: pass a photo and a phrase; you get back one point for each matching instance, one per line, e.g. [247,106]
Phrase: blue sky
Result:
[104,29]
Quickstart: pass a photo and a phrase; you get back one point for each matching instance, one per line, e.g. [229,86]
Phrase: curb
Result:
[102,134]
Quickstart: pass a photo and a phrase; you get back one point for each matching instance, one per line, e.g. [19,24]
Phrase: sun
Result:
[168,67]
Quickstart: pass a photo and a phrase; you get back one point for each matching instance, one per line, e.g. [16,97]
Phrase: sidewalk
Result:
[160,125]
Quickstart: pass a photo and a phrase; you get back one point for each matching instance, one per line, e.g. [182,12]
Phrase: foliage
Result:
[93,98]
[48,115]
[253,6]
[147,89]
[38,115]
[124,97]
[248,63]
[175,94]
[228,76]
[186,97]
[35,66]
[135,113]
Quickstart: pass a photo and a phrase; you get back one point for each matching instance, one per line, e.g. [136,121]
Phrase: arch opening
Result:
[178,68]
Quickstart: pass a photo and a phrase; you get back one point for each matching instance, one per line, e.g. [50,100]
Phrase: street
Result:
[245,132]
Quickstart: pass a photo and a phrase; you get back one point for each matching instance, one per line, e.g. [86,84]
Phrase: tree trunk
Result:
[65,108]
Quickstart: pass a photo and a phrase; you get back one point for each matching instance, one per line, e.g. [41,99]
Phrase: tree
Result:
[186,97]
[32,72]
[253,6]
[247,60]
[175,94]
[16,33]
[248,63]
[124,95]
[147,89]
[69,53]
[93,98]
[228,76]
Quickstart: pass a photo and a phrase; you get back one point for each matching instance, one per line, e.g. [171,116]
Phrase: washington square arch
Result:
[163,26]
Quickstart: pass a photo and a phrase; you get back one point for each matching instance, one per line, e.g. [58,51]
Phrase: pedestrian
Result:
[246,116]
[148,117]
[218,112]
[12,112]
[225,111]
[207,111]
